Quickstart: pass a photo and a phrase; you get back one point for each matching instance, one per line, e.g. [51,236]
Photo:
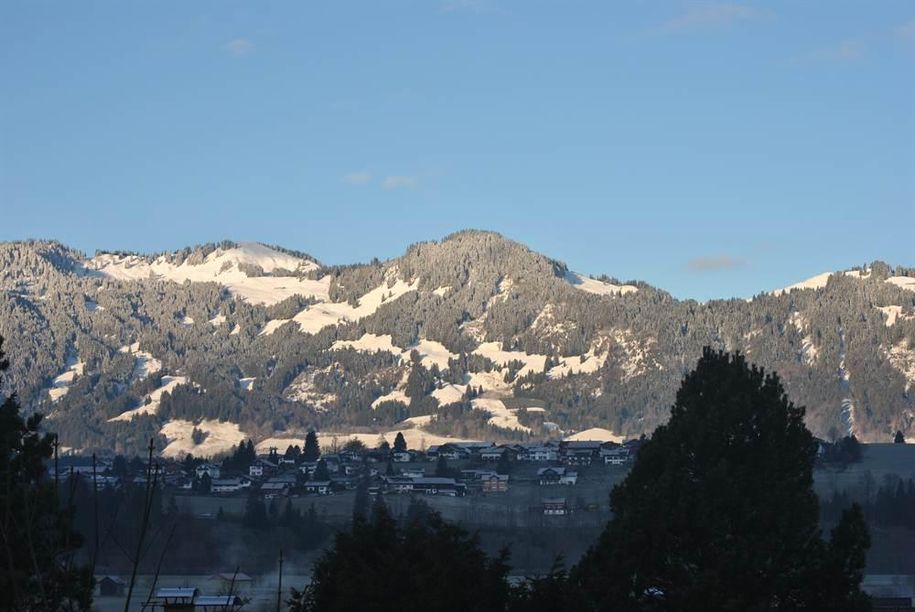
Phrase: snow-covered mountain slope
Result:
[252,271]
[473,337]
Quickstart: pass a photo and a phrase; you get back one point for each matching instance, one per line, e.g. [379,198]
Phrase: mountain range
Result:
[471,337]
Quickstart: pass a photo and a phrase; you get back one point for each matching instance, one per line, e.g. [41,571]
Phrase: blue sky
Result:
[712,149]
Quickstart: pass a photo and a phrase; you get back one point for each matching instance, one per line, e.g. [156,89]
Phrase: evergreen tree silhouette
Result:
[719,513]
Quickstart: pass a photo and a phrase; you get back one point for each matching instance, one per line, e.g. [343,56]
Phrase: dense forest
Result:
[116,346]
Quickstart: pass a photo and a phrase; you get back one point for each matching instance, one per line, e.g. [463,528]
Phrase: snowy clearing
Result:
[430,351]
[809,351]
[595,434]
[906,282]
[494,352]
[246,384]
[225,267]
[152,399]
[60,385]
[814,282]
[499,415]
[590,285]
[893,314]
[315,318]
[449,394]
[221,436]
[903,359]
[144,363]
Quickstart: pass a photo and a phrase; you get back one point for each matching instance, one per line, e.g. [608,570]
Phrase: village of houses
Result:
[476,482]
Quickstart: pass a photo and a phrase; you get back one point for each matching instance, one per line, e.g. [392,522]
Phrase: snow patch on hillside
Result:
[60,385]
[596,434]
[903,359]
[499,415]
[271,326]
[246,384]
[449,394]
[152,399]
[906,282]
[494,352]
[814,282]
[549,327]
[590,285]
[315,318]
[489,381]
[442,291]
[893,314]
[218,320]
[591,362]
[397,395]
[221,436]
[144,363]
[224,266]
[304,390]
[809,351]
[430,351]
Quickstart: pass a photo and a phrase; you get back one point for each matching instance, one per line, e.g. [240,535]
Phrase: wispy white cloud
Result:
[715,263]
[847,51]
[704,16]
[399,182]
[357,178]
[239,47]
[906,31]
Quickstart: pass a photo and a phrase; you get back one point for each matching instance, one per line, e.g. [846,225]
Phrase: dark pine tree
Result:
[361,502]
[400,443]
[441,467]
[37,540]
[719,513]
[255,516]
[899,438]
[428,564]
[321,472]
[312,450]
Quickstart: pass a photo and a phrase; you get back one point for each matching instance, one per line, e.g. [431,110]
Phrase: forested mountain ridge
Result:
[473,336]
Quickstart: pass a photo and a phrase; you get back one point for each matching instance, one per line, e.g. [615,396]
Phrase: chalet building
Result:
[539,454]
[495,453]
[317,487]
[78,464]
[403,456]
[261,468]
[614,456]
[448,451]
[473,475]
[413,473]
[556,476]
[556,506]
[495,483]
[111,586]
[273,489]
[577,457]
[427,486]
[210,469]
[229,485]
[188,598]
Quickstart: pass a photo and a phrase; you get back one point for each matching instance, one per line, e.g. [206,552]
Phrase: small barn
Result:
[111,586]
